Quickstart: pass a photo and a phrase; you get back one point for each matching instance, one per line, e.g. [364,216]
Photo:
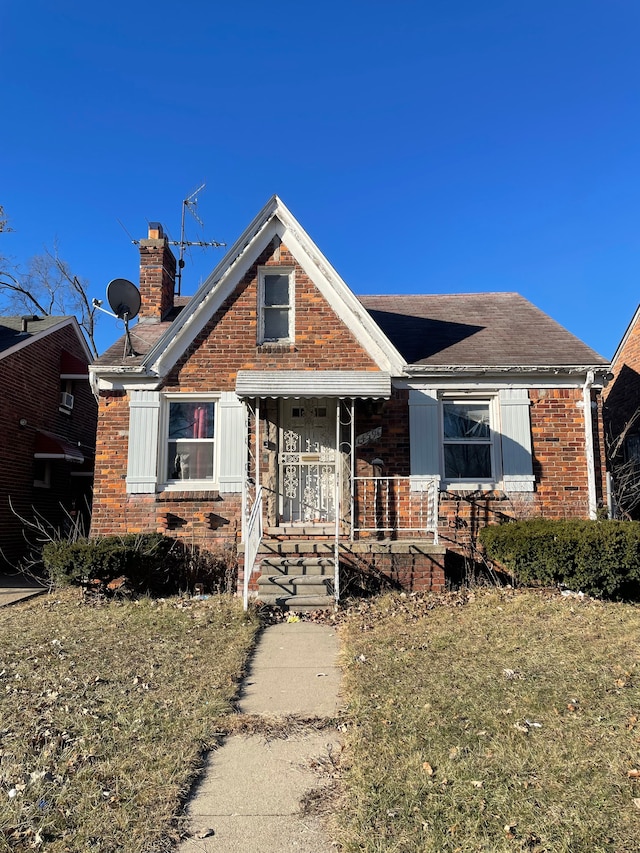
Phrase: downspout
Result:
[588,436]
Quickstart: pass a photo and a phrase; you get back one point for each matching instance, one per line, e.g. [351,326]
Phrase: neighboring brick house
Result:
[622,422]
[48,420]
[375,431]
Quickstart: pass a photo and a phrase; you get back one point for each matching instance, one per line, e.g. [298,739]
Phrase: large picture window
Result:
[276,305]
[467,440]
[190,444]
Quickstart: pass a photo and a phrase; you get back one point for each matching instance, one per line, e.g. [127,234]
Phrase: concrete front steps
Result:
[297,583]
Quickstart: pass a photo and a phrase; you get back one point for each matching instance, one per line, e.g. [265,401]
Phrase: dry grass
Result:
[105,712]
[501,722]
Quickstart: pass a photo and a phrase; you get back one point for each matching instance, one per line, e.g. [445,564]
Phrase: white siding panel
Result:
[424,433]
[231,437]
[517,463]
[144,421]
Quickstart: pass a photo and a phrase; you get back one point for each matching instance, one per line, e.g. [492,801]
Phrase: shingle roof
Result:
[143,337]
[11,329]
[464,329]
[461,329]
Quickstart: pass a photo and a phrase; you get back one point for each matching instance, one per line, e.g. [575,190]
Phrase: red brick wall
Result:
[559,465]
[30,382]
[415,572]
[227,344]
[157,278]
[622,394]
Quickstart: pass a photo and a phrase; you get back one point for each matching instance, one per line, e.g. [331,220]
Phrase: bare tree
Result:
[624,465]
[47,287]
[4,221]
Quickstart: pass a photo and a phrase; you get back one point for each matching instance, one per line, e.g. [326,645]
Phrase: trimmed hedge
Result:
[600,558]
[150,562]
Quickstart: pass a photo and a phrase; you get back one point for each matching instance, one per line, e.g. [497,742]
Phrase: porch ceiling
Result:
[313,383]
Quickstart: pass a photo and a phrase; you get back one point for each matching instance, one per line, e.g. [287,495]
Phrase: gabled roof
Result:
[403,334]
[160,349]
[12,338]
[477,329]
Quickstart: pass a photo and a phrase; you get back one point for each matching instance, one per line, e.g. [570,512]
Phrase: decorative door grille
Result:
[308,462]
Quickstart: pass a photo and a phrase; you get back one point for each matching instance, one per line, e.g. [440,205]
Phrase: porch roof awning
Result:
[52,446]
[313,383]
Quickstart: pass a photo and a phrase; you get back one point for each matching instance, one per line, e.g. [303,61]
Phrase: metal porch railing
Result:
[252,539]
[393,505]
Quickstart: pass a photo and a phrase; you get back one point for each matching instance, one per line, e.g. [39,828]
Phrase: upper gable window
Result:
[276,304]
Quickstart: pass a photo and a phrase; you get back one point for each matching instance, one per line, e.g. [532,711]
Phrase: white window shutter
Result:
[424,435]
[517,462]
[231,437]
[144,421]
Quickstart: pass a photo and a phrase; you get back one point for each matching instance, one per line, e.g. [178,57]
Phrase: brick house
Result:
[622,422]
[277,410]
[48,420]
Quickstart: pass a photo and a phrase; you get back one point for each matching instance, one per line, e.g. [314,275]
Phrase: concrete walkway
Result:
[249,798]
[16,588]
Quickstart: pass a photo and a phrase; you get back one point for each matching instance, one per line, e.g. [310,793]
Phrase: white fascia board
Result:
[494,380]
[218,286]
[122,379]
[568,370]
[114,383]
[339,296]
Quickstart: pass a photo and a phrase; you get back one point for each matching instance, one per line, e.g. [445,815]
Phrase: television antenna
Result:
[124,299]
[190,203]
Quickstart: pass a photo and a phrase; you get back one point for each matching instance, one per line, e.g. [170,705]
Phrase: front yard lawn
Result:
[105,711]
[492,721]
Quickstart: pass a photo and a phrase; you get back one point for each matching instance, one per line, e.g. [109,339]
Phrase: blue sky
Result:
[427,147]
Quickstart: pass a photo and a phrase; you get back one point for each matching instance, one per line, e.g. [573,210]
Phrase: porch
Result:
[389,533]
[318,495]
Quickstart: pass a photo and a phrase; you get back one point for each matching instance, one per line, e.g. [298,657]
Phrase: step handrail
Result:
[253,537]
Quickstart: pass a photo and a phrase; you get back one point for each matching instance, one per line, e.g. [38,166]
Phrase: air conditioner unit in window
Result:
[66,400]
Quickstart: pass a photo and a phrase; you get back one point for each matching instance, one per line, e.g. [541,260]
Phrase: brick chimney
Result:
[157,276]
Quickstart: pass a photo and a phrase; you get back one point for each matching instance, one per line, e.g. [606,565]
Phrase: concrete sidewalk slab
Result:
[268,774]
[250,796]
[294,671]
[17,588]
[276,834]
[249,799]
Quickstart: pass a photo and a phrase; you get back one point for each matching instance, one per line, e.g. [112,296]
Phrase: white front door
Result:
[307,468]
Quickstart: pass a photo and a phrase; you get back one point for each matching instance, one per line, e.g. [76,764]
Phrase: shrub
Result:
[150,562]
[601,558]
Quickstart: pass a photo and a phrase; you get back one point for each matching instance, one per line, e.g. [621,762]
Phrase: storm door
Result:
[307,461]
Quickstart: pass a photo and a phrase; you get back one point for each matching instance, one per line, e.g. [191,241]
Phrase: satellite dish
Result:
[124,298]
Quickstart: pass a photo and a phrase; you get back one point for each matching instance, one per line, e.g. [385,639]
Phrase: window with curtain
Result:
[467,440]
[190,446]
